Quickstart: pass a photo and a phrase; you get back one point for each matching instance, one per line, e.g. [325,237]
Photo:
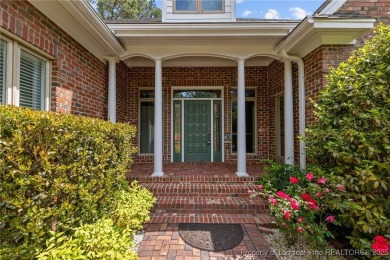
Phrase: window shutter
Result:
[3,69]
[32,81]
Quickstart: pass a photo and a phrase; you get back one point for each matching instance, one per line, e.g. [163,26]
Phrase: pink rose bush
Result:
[304,207]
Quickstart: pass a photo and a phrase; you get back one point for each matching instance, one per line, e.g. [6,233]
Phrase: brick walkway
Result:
[162,241]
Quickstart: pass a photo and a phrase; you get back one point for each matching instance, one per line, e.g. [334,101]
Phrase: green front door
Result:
[197,130]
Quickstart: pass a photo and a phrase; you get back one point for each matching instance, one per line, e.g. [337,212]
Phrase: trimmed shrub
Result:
[57,171]
[351,138]
[101,240]
[130,207]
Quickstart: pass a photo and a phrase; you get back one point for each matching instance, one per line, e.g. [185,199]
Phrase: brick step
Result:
[227,205]
[199,189]
[263,220]
[228,179]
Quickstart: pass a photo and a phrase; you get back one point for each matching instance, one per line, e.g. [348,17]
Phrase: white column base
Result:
[242,174]
[157,174]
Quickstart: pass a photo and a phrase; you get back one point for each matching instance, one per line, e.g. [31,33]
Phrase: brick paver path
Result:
[162,241]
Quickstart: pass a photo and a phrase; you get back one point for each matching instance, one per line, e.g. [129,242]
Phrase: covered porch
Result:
[218,93]
[201,94]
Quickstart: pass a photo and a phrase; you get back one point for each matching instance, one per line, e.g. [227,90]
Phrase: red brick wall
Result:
[296,111]
[275,88]
[121,92]
[217,76]
[379,9]
[79,79]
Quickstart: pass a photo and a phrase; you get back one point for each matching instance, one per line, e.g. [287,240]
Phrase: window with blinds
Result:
[23,75]
[3,70]
[32,81]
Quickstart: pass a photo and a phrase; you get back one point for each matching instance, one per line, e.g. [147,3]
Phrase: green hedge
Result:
[57,172]
[101,240]
[351,138]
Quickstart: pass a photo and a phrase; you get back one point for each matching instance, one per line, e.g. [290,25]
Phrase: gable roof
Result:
[329,7]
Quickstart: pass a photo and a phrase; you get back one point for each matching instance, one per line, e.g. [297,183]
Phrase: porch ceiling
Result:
[225,40]
[197,61]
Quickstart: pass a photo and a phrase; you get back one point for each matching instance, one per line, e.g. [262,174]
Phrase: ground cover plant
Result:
[64,176]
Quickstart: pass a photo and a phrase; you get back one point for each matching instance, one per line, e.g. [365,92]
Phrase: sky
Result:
[274,9]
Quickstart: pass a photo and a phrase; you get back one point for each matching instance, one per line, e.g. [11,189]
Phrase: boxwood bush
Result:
[59,172]
[351,138]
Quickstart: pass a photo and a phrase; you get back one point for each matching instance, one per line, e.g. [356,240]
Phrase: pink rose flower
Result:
[380,239]
[294,180]
[284,225]
[260,187]
[341,187]
[300,220]
[309,176]
[330,218]
[381,245]
[319,195]
[287,215]
[250,191]
[294,204]
[300,229]
[283,195]
[273,201]
[327,190]
[321,180]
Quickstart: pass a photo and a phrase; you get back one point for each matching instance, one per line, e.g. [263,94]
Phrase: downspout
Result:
[302,105]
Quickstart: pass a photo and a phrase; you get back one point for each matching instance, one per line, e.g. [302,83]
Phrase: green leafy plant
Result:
[130,207]
[351,138]
[101,240]
[279,174]
[57,172]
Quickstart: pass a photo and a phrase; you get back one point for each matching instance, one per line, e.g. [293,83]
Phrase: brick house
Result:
[200,84]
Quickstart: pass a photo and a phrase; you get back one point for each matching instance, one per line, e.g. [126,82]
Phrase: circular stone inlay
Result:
[211,237]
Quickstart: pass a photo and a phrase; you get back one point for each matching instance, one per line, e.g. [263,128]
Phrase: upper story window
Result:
[199,6]
[24,76]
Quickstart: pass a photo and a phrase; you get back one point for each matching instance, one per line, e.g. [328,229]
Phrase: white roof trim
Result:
[332,7]
[202,30]
[79,20]
[313,32]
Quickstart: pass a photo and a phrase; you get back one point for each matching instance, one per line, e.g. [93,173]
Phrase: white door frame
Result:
[221,88]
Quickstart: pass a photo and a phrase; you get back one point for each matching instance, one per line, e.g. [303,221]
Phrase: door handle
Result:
[209,137]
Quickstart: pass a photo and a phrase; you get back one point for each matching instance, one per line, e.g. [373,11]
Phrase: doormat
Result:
[197,162]
[212,237]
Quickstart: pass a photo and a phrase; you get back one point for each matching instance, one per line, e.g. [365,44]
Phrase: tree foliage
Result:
[351,139]
[127,9]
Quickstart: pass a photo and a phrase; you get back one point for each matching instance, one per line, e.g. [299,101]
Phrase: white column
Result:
[288,114]
[111,89]
[302,105]
[158,120]
[241,126]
